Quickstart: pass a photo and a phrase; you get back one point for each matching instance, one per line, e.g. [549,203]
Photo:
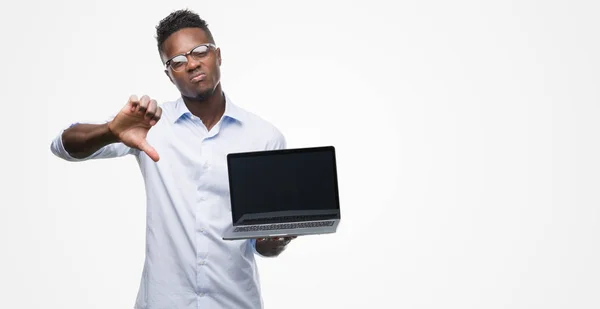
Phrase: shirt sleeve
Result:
[109,151]
[277,141]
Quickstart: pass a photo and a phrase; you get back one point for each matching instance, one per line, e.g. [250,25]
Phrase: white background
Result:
[466,133]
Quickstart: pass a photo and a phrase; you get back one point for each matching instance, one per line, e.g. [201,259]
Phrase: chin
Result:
[203,94]
[197,94]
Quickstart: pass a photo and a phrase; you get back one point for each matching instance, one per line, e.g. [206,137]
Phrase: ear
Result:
[219,56]
[169,76]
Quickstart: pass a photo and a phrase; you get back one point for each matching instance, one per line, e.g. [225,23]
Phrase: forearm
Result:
[82,140]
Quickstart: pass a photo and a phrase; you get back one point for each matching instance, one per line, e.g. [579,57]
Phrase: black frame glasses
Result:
[197,53]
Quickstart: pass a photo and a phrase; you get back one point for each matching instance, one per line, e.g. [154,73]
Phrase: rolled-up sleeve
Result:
[109,151]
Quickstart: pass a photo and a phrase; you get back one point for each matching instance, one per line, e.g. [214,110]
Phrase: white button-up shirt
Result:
[188,265]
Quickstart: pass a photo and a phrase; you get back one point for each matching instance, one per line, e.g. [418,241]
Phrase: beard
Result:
[203,95]
[200,95]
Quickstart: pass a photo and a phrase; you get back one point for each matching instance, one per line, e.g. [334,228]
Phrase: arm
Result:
[83,140]
[124,134]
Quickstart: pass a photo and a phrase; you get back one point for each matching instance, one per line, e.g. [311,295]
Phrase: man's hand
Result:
[133,122]
[272,247]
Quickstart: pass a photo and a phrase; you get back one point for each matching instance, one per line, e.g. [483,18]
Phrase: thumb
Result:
[149,150]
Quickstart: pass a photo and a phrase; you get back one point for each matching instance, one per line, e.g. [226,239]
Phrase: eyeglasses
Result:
[179,62]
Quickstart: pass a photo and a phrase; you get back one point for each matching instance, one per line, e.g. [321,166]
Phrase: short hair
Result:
[178,20]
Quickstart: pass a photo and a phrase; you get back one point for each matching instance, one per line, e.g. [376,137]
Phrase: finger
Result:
[151,109]
[149,150]
[144,101]
[280,241]
[157,116]
[133,102]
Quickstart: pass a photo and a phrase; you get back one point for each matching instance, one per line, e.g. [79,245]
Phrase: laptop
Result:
[288,192]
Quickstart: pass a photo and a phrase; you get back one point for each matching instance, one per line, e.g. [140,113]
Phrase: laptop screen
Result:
[290,181]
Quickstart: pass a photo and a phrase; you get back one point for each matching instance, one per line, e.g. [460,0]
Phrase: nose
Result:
[192,64]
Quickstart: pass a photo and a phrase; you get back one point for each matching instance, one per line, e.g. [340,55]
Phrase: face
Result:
[198,78]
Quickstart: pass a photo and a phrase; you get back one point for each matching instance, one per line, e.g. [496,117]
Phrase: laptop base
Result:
[231,234]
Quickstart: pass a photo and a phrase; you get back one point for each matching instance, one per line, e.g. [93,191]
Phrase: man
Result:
[181,148]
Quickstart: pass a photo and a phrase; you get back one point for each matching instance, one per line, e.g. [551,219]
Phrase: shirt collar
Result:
[231,110]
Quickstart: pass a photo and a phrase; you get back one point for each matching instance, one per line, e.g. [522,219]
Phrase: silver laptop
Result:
[290,192]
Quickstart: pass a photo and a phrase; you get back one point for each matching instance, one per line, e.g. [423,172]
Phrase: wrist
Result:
[109,134]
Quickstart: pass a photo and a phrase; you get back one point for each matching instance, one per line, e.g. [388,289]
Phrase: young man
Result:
[181,147]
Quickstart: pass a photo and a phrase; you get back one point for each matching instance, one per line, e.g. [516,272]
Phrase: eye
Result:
[178,61]
[200,51]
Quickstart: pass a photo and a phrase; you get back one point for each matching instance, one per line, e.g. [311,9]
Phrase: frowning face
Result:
[192,63]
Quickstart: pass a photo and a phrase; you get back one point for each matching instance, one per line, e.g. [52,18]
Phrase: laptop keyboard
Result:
[282,226]
[290,219]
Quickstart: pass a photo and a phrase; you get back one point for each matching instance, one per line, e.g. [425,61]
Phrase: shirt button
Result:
[202,230]
[202,262]
[201,294]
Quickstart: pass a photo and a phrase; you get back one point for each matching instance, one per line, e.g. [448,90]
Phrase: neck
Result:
[209,109]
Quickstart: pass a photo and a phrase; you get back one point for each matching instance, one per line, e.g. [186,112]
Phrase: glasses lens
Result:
[178,63]
[199,52]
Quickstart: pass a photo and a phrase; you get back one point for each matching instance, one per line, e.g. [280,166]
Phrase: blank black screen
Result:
[283,181]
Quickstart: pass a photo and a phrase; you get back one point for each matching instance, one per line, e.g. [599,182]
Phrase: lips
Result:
[198,77]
